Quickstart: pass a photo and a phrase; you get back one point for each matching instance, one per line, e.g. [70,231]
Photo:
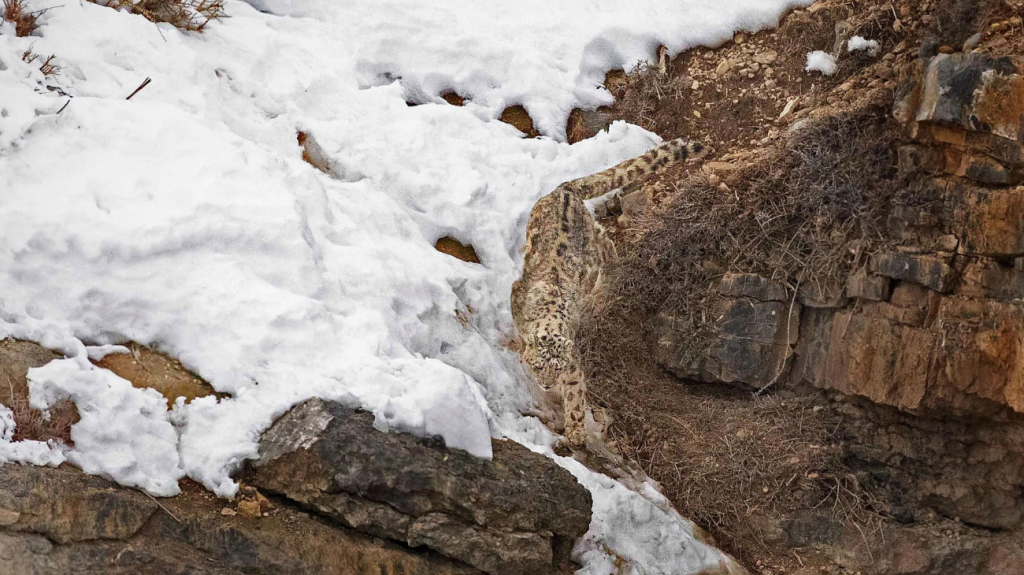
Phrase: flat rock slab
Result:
[66,506]
[517,514]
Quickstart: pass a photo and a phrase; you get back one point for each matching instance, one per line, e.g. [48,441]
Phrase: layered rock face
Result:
[518,514]
[923,347]
[348,499]
[61,521]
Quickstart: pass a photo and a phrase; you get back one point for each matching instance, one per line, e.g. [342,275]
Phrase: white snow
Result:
[823,62]
[185,219]
[860,43]
[124,433]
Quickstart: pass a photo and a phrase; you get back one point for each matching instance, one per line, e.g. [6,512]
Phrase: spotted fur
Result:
[565,252]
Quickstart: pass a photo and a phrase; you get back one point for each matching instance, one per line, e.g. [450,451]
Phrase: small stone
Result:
[723,67]
[770,84]
[947,243]
[695,85]
[8,517]
[722,187]
[769,72]
[790,106]
[249,508]
[228,512]
[696,113]
[714,180]
[884,73]
[946,50]
[767,57]
[972,42]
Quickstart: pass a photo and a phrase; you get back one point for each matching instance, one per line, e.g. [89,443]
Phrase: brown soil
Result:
[147,368]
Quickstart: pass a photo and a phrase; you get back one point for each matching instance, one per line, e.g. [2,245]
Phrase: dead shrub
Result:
[49,66]
[191,15]
[806,217]
[724,457]
[24,22]
[33,424]
[643,90]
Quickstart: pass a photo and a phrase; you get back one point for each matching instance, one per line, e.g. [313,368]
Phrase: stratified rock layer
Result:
[517,514]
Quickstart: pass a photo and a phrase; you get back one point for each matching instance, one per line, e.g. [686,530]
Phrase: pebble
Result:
[769,84]
[972,42]
[228,512]
[695,85]
[766,57]
[723,67]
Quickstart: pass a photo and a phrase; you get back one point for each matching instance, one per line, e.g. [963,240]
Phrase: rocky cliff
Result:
[920,347]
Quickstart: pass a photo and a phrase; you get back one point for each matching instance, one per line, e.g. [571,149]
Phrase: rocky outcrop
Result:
[757,325]
[517,514]
[61,521]
[921,348]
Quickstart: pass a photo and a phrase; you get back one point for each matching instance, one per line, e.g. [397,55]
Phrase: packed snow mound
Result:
[818,61]
[860,43]
[124,433]
[185,219]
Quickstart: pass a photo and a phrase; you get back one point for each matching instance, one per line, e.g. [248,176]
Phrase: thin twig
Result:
[139,89]
[161,505]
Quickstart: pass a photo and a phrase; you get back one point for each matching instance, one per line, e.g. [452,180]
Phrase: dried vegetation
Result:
[190,15]
[806,215]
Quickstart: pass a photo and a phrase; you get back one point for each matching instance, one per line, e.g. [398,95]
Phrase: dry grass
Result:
[24,21]
[191,15]
[805,217]
[49,66]
[724,457]
[32,424]
[644,90]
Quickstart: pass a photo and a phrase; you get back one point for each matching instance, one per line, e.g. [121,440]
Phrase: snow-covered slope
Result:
[185,219]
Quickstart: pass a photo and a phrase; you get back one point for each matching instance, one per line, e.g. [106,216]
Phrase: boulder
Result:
[929,271]
[517,514]
[972,106]
[755,326]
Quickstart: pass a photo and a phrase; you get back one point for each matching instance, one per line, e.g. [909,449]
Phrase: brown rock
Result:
[752,343]
[453,98]
[984,278]
[189,536]
[66,506]
[752,286]
[456,249]
[516,514]
[993,222]
[517,117]
[928,271]
[866,285]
